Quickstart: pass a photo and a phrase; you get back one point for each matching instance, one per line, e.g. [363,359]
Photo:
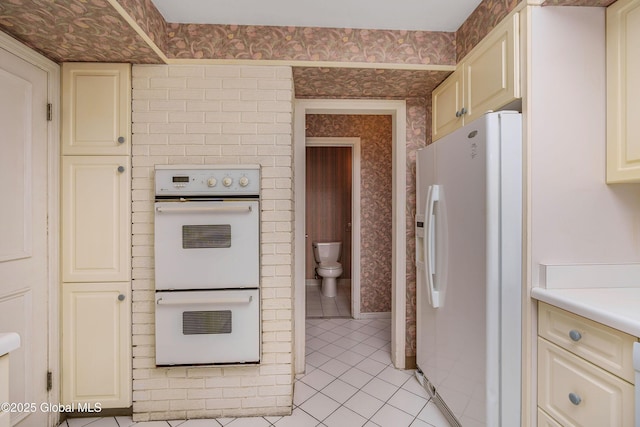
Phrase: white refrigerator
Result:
[469,271]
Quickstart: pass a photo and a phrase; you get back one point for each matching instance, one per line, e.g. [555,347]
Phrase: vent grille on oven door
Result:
[206,322]
[206,236]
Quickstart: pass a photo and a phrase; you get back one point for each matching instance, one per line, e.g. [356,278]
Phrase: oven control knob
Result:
[244,181]
[227,181]
[211,182]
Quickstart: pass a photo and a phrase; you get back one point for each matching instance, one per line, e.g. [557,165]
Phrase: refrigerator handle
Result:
[429,244]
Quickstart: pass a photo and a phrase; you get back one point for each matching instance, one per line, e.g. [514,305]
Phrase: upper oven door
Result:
[207,244]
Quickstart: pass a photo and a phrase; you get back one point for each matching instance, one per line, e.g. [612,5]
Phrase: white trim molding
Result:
[398,111]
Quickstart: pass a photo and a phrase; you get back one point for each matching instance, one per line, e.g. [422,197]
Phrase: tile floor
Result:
[320,306]
[349,381]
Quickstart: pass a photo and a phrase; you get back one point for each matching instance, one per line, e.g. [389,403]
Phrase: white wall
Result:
[203,115]
[575,216]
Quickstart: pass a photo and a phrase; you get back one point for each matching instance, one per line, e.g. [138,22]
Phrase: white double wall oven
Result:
[207,264]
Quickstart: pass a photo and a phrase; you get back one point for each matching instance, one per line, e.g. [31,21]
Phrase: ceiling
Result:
[417,15]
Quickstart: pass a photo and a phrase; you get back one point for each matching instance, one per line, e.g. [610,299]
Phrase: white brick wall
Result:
[212,115]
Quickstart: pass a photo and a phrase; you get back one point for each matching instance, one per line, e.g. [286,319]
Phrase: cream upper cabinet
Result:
[623,91]
[487,79]
[96,109]
[96,344]
[96,218]
[447,104]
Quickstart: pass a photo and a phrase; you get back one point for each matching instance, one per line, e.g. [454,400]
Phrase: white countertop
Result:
[618,308]
[9,341]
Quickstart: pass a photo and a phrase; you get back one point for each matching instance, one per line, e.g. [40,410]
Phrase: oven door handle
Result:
[245,300]
[213,209]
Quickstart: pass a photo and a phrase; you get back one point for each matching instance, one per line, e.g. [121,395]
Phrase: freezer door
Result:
[461,272]
[469,347]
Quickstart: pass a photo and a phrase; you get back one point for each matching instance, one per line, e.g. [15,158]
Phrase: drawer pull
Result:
[575,335]
[575,399]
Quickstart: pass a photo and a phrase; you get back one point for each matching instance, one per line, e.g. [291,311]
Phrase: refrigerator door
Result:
[469,347]
[461,243]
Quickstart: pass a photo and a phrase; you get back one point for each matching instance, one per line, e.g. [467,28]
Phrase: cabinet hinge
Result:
[49,112]
[49,381]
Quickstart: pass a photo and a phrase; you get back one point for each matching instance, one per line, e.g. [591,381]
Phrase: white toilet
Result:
[327,255]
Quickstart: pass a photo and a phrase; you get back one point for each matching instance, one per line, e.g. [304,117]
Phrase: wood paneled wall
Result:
[328,202]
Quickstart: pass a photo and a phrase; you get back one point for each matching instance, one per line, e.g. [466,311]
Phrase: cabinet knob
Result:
[120,169]
[575,399]
[121,139]
[575,335]
[121,297]
[461,112]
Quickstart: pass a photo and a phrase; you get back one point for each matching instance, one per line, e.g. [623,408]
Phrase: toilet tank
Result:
[327,251]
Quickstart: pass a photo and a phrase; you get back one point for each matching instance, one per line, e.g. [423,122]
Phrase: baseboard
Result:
[380,315]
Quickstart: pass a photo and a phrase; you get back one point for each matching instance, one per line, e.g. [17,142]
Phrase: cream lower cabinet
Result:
[96,272]
[96,218]
[585,372]
[486,79]
[96,344]
[623,91]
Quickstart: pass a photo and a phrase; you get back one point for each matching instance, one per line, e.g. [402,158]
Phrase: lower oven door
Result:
[208,327]
[207,244]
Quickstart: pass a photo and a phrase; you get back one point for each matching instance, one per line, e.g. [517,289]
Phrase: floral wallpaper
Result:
[375,134]
[310,44]
[481,21]
[75,30]
[93,30]
[316,82]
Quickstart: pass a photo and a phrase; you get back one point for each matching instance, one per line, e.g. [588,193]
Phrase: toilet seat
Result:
[329,266]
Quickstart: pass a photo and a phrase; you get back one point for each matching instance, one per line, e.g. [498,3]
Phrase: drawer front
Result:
[576,393]
[544,420]
[606,347]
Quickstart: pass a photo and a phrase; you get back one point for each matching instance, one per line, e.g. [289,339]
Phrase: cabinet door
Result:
[96,219]
[447,103]
[96,344]
[576,393]
[544,420]
[623,91]
[491,72]
[96,109]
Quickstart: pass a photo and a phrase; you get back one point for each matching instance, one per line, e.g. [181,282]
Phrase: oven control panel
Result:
[210,180]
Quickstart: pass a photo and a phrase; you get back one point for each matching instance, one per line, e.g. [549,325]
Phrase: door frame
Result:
[354,143]
[398,111]
[52,69]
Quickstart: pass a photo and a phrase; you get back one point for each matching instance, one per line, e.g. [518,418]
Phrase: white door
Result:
[23,230]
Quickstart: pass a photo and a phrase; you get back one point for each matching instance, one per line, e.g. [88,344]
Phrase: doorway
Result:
[397,111]
[332,213]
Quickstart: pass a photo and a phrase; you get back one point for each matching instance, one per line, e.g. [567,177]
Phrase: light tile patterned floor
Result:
[317,305]
[349,382]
